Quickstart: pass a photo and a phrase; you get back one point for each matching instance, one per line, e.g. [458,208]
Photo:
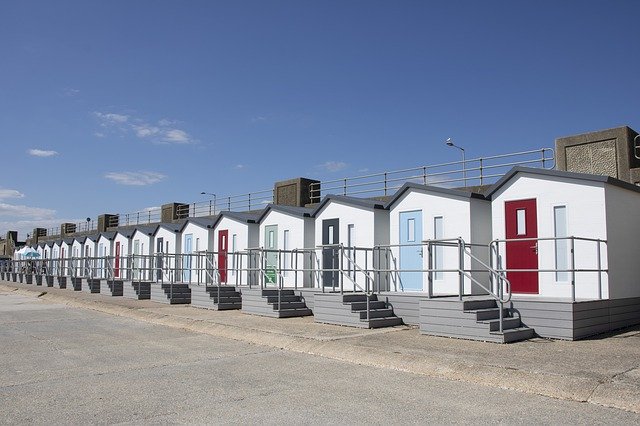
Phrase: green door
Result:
[271,245]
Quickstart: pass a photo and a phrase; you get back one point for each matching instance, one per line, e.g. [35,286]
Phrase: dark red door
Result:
[521,222]
[223,248]
[116,267]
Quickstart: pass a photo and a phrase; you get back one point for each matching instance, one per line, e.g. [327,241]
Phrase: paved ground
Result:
[63,364]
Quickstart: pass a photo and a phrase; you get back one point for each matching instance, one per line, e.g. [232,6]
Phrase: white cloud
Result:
[135,178]
[70,92]
[332,166]
[41,153]
[150,209]
[259,119]
[239,166]
[10,193]
[176,136]
[25,211]
[145,130]
[109,118]
[99,134]
[164,132]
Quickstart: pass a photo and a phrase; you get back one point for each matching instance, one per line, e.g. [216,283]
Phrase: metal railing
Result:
[553,250]
[579,265]
[242,202]
[477,171]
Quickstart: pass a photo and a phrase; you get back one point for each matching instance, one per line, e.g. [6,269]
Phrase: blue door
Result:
[411,251]
[186,263]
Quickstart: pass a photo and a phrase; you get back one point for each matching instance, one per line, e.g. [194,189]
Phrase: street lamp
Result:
[449,142]
[214,201]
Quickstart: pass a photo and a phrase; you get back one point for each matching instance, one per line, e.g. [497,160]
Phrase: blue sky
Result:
[116,106]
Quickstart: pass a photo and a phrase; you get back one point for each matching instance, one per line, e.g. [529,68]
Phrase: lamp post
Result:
[449,142]
[214,201]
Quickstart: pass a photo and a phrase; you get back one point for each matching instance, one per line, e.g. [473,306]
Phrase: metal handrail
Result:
[385,181]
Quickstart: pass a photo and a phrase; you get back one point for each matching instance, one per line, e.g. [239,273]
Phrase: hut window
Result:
[521,221]
[233,256]
[561,247]
[411,230]
[285,247]
[438,253]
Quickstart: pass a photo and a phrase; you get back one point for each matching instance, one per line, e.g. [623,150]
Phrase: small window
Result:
[197,244]
[271,238]
[562,249]
[233,250]
[285,247]
[330,232]
[411,230]
[351,235]
[438,253]
[521,221]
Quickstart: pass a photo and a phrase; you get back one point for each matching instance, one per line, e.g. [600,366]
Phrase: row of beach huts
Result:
[541,252]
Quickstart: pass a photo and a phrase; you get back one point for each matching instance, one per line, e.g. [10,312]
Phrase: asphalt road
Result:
[68,365]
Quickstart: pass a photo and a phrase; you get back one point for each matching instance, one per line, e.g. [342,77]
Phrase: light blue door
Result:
[411,250]
[186,263]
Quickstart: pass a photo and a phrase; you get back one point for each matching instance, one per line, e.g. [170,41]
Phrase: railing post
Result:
[249,196]
[460,268]
[430,272]
[341,266]
[599,272]
[573,270]
[481,173]
[424,175]
[385,183]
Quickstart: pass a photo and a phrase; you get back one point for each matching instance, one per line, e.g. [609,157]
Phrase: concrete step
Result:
[291,313]
[384,322]
[376,313]
[223,289]
[472,305]
[289,305]
[357,297]
[283,298]
[515,334]
[274,292]
[489,313]
[373,304]
[507,323]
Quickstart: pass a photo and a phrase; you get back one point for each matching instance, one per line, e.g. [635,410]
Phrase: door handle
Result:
[535,247]
[421,253]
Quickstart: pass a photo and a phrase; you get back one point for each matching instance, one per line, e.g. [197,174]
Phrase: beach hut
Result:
[168,242]
[348,229]
[446,217]
[121,251]
[287,235]
[142,249]
[233,234]
[568,242]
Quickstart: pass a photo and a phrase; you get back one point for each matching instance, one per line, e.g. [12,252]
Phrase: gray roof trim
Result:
[430,188]
[109,235]
[204,222]
[171,227]
[93,237]
[352,201]
[145,229]
[290,210]
[68,241]
[562,174]
[127,232]
[239,216]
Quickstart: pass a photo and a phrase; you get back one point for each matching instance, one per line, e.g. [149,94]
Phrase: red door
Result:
[521,222]
[223,248]
[116,267]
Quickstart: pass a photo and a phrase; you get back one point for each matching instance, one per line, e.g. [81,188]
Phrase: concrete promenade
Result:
[603,371]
